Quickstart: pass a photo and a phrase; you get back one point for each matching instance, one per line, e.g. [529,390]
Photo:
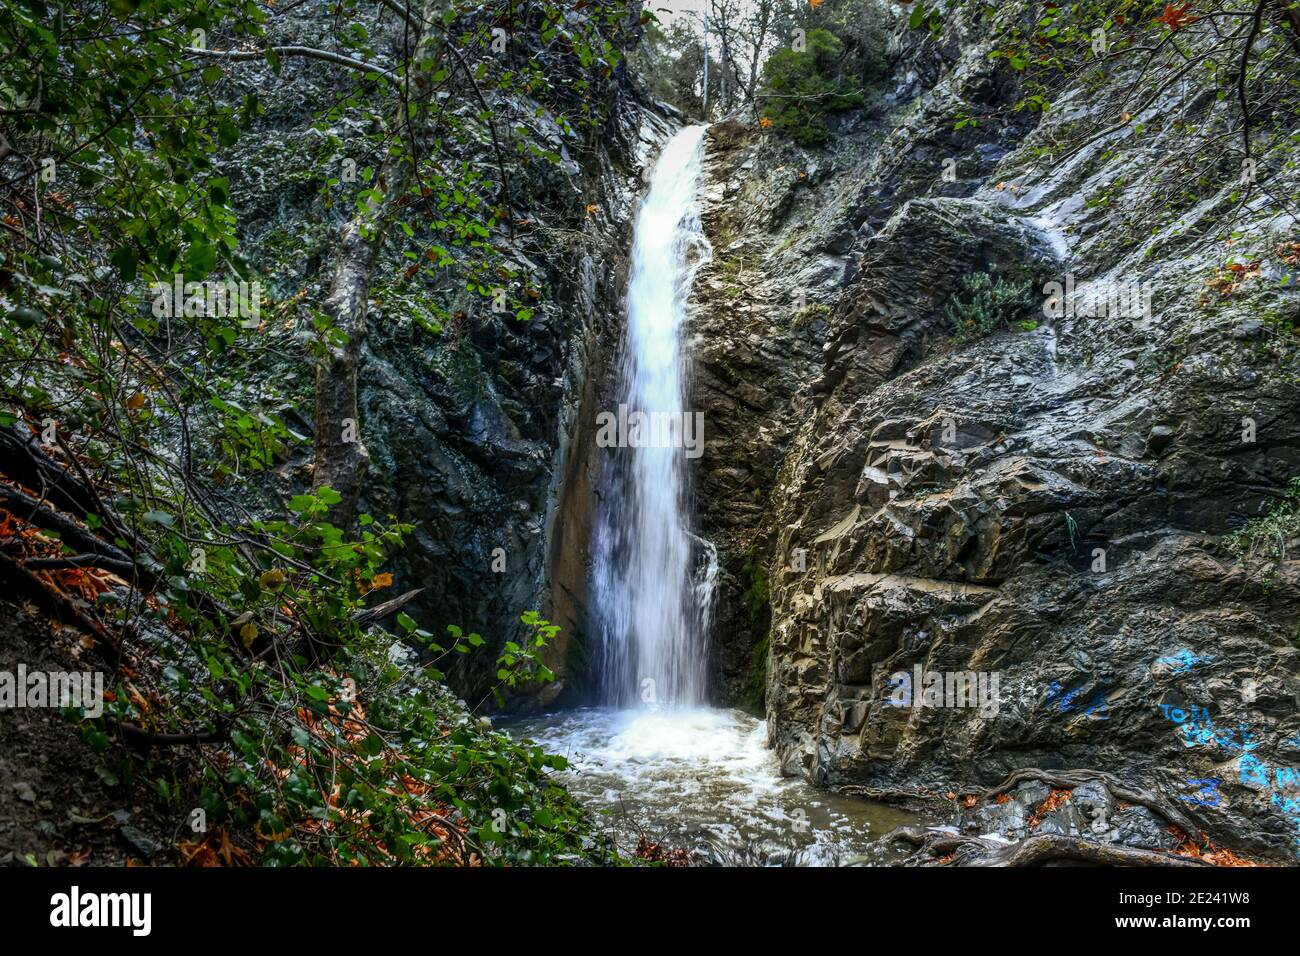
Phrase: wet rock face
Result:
[1054,503]
[473,429]
[755,330]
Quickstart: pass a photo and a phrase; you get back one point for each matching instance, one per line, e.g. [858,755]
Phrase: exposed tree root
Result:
[1034,851]
[1069,779]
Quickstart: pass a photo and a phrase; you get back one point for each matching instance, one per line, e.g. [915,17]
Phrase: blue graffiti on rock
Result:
[1066,700]
[1180,662]
[1278,782]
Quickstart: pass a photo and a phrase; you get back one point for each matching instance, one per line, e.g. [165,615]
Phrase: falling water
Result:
[652,579]
[696,777]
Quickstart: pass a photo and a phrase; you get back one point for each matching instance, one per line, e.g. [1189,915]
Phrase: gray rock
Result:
[140,841]
[953,500]
[1159,437]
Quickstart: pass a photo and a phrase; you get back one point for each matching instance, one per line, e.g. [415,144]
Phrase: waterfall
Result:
[652,578]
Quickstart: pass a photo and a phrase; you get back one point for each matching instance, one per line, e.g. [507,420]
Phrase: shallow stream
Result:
[703,779]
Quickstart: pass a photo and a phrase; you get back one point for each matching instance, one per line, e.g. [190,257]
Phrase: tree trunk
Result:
[341,456]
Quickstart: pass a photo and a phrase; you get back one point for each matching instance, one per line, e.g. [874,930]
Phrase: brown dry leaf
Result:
[198,854]
[1288,252]
[1175,18]
[1054,799]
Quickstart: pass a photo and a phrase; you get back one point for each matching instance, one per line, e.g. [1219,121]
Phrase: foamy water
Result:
[703,779]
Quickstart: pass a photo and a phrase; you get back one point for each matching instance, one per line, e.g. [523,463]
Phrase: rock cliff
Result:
[1058,502]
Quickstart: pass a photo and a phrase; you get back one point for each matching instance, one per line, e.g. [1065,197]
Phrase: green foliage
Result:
[756,591]
[249,440]
[985,304]
[802,87]
[1276,532]
[753,693]
[318,749]
[337,755]
[931,19]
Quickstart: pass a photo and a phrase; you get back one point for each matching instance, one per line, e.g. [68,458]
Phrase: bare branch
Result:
[306,52]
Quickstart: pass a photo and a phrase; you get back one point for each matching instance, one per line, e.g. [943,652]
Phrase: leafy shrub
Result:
[801,87]
[986,303]
[344,751]
[1277,530]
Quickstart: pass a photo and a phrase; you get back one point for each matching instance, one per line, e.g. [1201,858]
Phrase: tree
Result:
[124,451]
[802,87]
[670,61]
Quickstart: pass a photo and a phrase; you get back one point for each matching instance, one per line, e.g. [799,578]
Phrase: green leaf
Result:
[328,495]
[200,258]
[124,258]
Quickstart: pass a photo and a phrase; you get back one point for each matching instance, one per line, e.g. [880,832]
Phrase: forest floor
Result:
[63,803]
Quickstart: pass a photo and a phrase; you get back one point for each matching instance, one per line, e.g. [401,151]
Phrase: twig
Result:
[306,52]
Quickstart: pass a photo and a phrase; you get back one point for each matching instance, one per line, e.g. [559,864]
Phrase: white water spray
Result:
[652,578]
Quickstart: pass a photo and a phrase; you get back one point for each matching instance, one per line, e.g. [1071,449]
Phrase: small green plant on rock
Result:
[985,304]
[1277,530]
[810,313]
